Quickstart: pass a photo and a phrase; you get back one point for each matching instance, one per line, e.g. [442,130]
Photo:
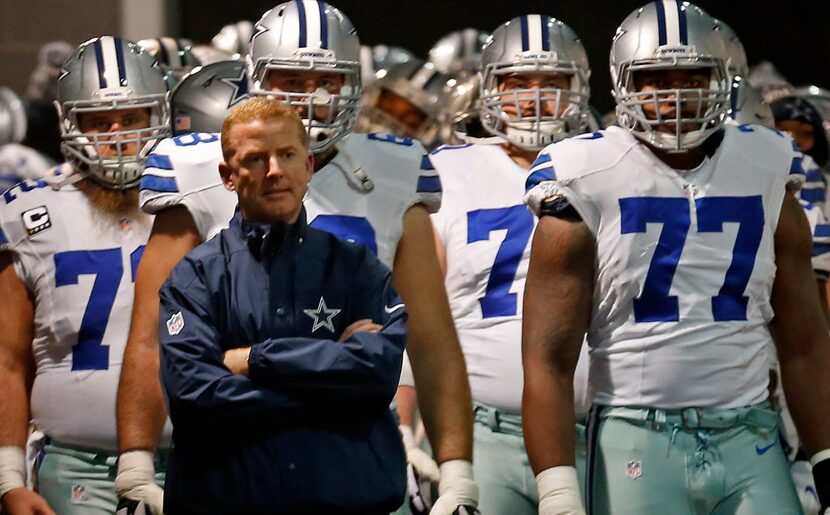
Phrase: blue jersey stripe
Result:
[301,14]
[814,175]
[661,22]
[543,174]
[812,195]
[525,35]
[820,248]
[426,164]
[545,34]
[159,161]
[541,159]
[161,184]
[428,184]
[822,230]
[3,238]
[795,166]
[324,26]
[119,57]
[99,59]
[681,18]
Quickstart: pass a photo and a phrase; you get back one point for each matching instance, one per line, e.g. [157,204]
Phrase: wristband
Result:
[12,469]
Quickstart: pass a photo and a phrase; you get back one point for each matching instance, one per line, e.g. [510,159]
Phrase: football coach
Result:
[281,348]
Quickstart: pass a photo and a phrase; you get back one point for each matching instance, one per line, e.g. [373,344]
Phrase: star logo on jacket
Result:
[322,316]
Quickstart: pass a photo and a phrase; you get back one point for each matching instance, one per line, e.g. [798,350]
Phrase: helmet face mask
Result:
[309,36]
[670,37]
[541,48]
[108,76]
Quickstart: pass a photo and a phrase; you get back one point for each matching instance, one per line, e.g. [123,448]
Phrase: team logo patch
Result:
[175,324]
[78,493]
[36,220]
[634,469]
[322,316]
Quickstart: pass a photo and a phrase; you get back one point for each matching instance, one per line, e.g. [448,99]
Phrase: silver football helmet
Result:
[376,61]
[534,44]
[206,95]
[753,109]
[459,51]
[174,55]
[106,74]
[310,35]
[407,101]
[12,117]
[234,38]
[669,34]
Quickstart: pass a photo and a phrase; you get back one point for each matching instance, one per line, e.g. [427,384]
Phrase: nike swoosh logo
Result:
[392,309]
[762,450]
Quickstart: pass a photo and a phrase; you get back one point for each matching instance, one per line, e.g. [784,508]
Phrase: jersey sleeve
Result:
[184,171]
[820,229]
[428,188]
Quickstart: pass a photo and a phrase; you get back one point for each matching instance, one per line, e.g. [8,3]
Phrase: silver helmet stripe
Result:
[109,56]
[671,23]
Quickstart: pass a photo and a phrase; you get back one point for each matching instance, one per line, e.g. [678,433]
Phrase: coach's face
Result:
[269,170]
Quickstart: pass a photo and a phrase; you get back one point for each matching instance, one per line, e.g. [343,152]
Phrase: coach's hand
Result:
[136,481]
[457,490]
[236,360]
[23,501]
[361,326]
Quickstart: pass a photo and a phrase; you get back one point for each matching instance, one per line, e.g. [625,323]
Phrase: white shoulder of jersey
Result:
[180,167]
[451,160]
[768,150]
[400,163]
[581,155]
[24,211]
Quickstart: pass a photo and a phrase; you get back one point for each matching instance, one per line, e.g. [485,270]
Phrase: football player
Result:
[374,189]
[672,240]
[534,90]
[69,251]
[174,55]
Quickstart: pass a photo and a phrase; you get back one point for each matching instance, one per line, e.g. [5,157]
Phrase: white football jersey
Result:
[814,189]
[685,264]
[184,171]
[486,231]
[79,266]
[820,228]
[18,163]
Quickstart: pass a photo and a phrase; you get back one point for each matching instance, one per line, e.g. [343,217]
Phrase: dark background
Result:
[794,35]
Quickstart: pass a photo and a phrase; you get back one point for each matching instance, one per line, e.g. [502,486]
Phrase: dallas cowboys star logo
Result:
[240,87]
[322,316]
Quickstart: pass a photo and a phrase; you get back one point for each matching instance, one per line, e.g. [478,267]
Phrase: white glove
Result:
[534,198]
[559,492]
[802,473]
[136,480]
[457,489]
[424,465]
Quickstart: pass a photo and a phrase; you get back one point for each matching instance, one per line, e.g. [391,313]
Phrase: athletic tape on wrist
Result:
[12,469]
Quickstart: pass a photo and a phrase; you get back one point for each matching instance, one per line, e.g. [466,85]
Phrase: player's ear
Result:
[228,178]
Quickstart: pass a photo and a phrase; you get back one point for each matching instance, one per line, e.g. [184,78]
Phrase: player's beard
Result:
[115,206]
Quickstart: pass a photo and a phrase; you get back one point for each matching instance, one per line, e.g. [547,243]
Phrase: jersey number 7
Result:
[90,353]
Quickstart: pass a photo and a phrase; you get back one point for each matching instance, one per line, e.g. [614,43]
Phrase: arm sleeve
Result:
[363,370]
[198,387]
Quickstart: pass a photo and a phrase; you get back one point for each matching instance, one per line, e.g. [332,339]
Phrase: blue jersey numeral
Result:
[497,299]
[23,187]
[654,303]
[350,228]
[194,138]
[90,353]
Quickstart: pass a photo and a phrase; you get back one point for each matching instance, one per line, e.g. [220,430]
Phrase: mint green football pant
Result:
[693,461]
[79,481]
[501,467]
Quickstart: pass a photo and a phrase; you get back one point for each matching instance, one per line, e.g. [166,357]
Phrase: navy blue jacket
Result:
[309,430]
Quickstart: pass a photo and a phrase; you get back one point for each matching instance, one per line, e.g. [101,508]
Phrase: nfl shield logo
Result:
[78,493]
[634,469]
[175,324]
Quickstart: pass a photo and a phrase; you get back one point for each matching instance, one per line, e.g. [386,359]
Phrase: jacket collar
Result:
[264,240]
